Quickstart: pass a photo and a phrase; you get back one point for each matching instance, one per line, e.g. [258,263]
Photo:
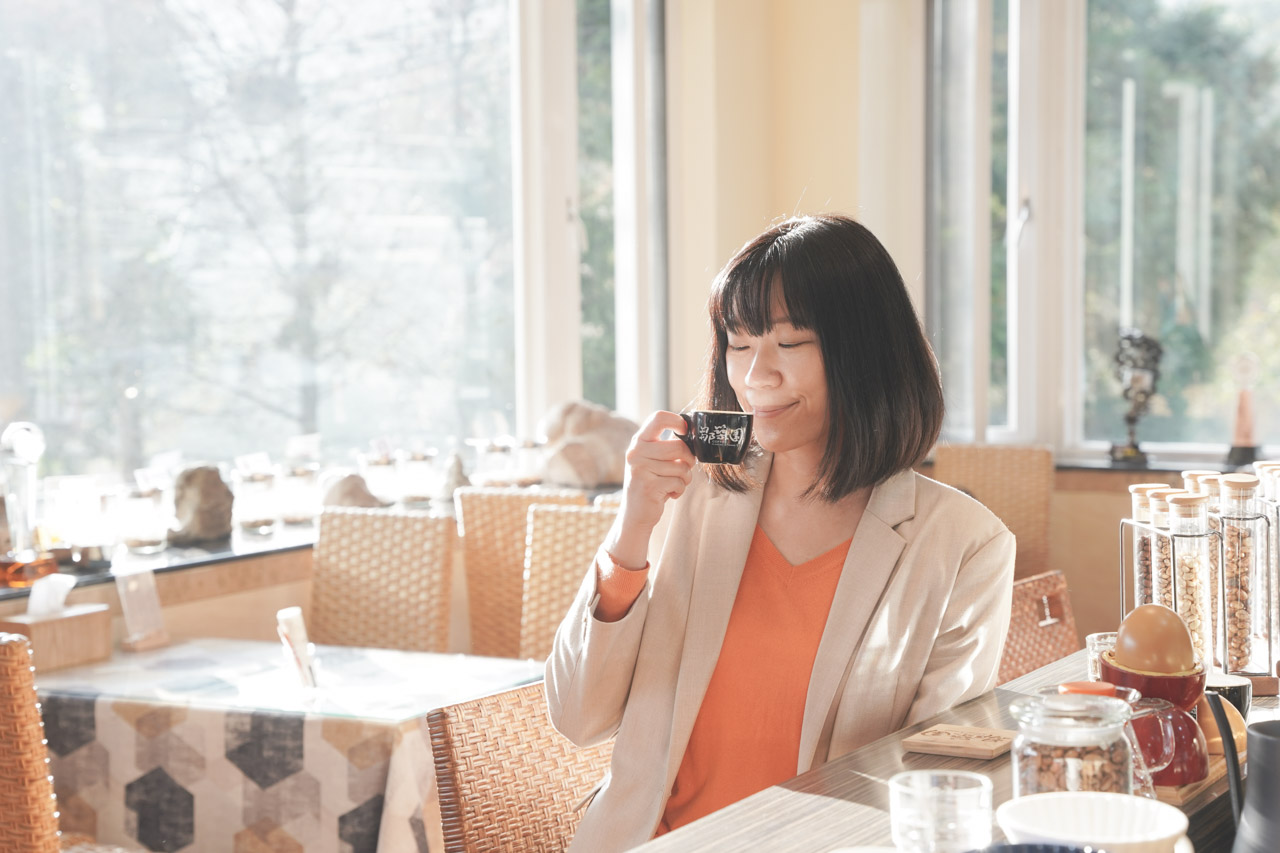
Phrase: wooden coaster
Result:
[1177,795]
[960,741]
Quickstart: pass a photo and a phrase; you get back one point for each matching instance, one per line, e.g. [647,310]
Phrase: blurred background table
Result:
[214,745]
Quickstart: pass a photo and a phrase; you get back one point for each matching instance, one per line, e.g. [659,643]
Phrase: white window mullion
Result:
[1052,267]
[548,313]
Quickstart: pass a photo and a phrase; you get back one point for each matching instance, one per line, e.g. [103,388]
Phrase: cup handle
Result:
[687,436]
[1165,720]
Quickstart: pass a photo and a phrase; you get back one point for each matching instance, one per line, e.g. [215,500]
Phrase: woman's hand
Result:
[657,470]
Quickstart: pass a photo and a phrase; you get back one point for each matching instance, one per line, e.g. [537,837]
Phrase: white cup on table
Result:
[940,811]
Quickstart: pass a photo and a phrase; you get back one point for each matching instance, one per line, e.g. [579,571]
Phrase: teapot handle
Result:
[1228,750]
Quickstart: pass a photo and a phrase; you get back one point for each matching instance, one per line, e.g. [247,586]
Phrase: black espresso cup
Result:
[717,437]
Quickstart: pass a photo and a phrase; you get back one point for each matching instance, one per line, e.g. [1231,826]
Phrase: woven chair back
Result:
[563,541]
[493,524]
[28,811]
[381,579]
[1013,482]
[1042,628]
[507,780]
[608,499]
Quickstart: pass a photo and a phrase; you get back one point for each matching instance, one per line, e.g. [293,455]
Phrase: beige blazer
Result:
[918,620]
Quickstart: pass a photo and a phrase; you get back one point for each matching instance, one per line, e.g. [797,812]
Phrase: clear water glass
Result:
[1096,645]
[940,811]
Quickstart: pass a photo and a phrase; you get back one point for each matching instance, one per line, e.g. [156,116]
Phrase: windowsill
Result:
[238,546]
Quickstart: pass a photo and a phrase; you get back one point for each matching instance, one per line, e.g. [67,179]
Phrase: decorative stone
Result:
[454,476]
[202,504]
[586,445]
[352,490]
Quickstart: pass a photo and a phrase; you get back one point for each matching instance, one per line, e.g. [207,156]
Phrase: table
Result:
[214,744]
[846,802]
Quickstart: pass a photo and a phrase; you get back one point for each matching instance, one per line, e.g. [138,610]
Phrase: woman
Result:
[811,600]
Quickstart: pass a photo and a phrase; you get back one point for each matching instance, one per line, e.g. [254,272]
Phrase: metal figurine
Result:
[1138,368]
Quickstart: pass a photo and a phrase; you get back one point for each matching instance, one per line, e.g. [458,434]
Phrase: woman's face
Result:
[779,377]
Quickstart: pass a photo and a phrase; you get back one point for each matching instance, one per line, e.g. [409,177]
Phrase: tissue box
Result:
[79,633]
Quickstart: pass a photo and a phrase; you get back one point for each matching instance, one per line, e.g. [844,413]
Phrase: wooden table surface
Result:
[845,803]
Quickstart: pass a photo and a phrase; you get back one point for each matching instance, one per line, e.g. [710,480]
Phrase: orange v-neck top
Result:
[747,733]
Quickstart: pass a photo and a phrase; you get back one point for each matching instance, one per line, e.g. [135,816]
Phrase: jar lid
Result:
[1070,718]
[1143,488]
[1161,496]
[1187,504]
[1210,484]
[1196,473]
[1238,483]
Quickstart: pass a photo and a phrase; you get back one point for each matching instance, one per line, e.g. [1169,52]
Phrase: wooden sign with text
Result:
[960,741]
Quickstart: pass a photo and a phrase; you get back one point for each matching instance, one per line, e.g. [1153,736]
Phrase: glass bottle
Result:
[1189,529]
[1248,594]
[21,446]
[1071,742]
[1140,513]
[1161,547]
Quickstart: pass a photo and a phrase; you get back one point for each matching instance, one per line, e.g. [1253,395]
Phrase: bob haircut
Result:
[884,394]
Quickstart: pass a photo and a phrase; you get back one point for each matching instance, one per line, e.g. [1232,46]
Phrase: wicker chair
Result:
[608,499]
[507,780]
[1042,628]
[381,579]
[28,808]
[562,542]
[1013,482]
[493,523]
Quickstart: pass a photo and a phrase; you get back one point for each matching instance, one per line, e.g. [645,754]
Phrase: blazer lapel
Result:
[872,556]
[728,523]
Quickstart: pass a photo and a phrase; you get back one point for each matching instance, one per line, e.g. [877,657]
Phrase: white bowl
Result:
[1117,823]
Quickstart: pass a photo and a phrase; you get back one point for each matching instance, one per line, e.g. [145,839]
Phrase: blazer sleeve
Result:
[965,658]
[589,671]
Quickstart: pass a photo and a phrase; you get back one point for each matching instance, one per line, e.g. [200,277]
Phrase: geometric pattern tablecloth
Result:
[213,745]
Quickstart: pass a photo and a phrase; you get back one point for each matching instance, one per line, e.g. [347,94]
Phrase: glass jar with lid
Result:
[255,508]
[298,493]
[1189,529]
[141,520]
[420,477]
[1197,482]
[1140,514]
[1248,605]
[1071,742]
[1161,547]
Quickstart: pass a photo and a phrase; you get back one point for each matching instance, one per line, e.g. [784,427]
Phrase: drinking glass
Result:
[1095,646]
[940,811]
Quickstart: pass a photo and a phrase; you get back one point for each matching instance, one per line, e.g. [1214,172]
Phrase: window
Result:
[225,225]
[1132,153]
[1182,210]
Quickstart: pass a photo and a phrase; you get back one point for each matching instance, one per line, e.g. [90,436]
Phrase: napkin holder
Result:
[76,634]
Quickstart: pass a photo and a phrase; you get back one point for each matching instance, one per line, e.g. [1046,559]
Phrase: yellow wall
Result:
[762,122]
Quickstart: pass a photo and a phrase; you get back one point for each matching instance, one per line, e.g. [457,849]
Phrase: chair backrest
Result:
[1013,482]
[506,779]
[28,810]
[608,499]
[1042,628]
[563,540]
[381,578]
[493,524]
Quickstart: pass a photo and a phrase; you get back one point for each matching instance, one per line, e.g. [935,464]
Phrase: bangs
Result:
[743,296]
